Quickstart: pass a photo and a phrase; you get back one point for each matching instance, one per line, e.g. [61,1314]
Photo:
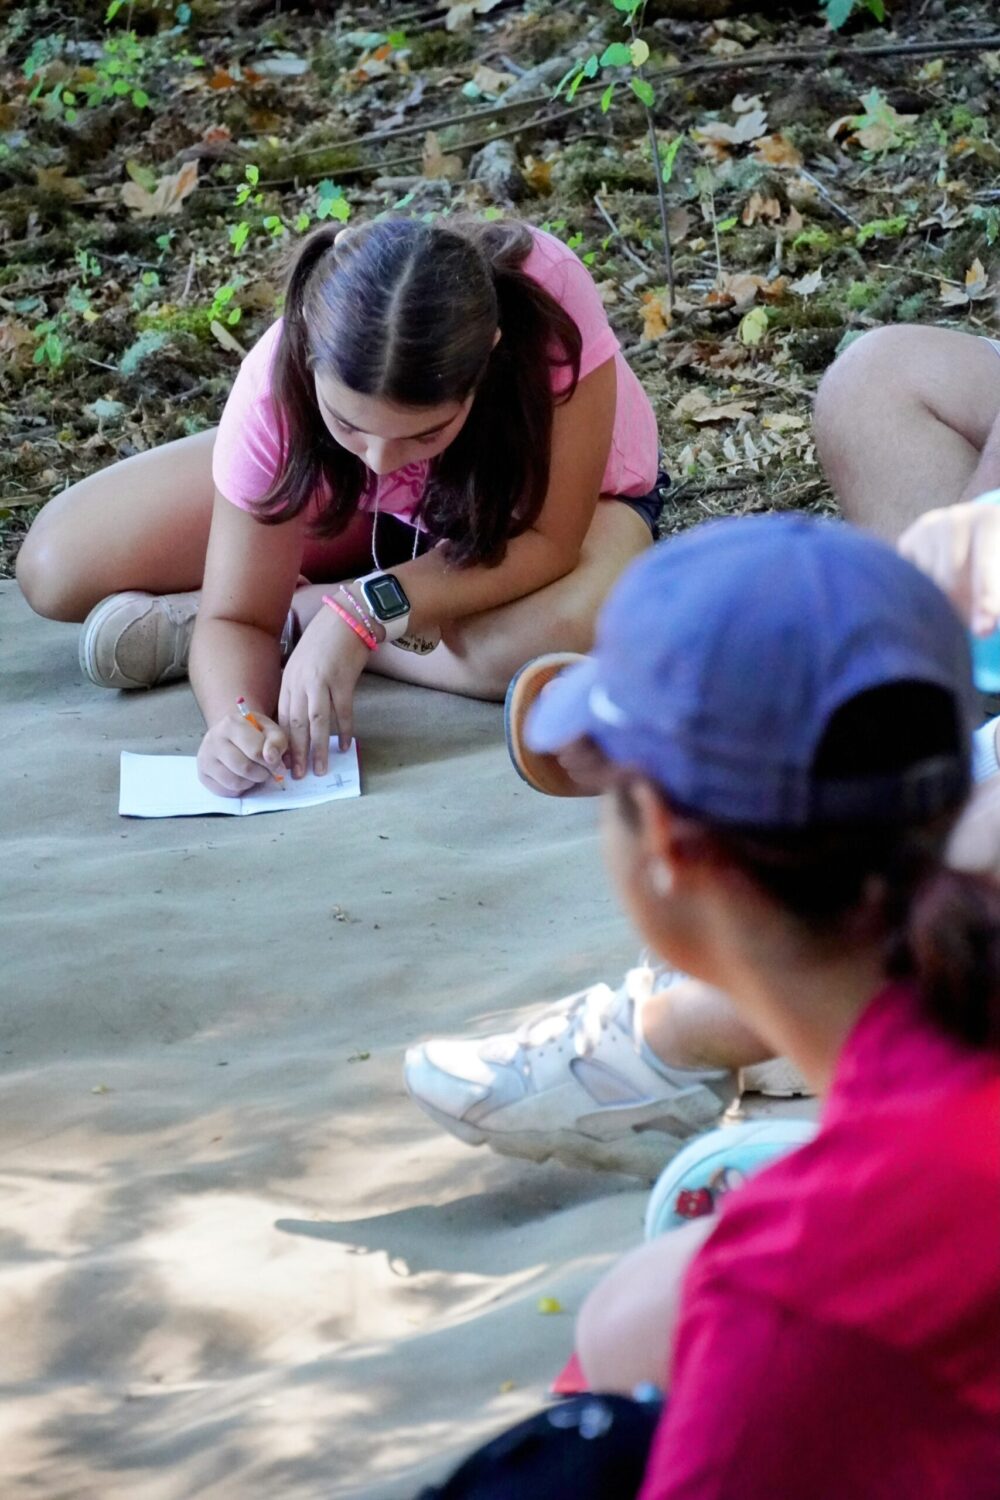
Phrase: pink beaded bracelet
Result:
[361,631]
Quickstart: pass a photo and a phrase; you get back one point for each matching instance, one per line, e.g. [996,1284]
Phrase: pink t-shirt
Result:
[839,1335]
[247,450]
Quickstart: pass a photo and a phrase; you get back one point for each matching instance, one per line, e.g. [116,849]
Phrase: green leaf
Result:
[753,326]
[492,213]
[340,209]
[877,9]
[564,80]
[639,52]
[571,91]
[724,225]
[238,235]
[642,91]
[396,39]
[302,222]
[140,99]
[113,8]
[606,98]
[629,7]
[253,175]
[668,157]
[618,55]
[234,317]
[591,66]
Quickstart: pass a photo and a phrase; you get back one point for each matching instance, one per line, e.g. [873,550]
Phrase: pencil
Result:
[241,704]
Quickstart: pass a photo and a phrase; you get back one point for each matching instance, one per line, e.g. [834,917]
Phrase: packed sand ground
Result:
[235,1259]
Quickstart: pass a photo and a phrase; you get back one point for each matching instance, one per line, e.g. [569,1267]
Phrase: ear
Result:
[497,337]
[667,840]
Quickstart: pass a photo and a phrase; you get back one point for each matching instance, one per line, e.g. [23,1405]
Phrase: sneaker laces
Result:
[583,1016]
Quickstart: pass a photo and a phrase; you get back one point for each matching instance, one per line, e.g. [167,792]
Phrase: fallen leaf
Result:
[726,46]
[54,180]
[975,287]
[489,81]
[759,207]
[777,151]
[656,317]
[216,135]
[549,1305]
[932,70]
[742,106]
[718,136]
[462,12]
[679,224]
[167,197]
[783,421]
[222,79]
[100,1088]
[435,164]
[505,1386]
[753,327]
[806,285]
[226,339]
[538,174]
[795,223]
[736,289]
[696,406]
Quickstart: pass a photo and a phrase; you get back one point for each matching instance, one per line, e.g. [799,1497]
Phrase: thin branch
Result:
[773,57]
[618,235]
[825,193]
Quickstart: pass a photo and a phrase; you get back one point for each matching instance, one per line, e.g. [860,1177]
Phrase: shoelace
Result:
[586,1014]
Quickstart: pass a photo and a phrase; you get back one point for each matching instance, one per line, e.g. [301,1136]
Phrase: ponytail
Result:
[950,947]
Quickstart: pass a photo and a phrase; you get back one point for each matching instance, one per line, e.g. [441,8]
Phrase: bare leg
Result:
[901,420]
[140,524]
[479,655]
[692,1025]
[625,1330]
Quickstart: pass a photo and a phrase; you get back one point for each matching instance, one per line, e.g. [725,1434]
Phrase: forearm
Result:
[440,590]
[230,660]
[986,475]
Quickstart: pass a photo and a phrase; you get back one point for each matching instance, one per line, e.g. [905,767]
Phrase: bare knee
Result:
[859,396]
[45,575]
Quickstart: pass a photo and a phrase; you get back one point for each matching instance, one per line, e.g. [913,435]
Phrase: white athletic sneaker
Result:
[574,1084]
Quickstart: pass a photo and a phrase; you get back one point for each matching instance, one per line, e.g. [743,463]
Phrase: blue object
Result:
[722,655]
[986,662]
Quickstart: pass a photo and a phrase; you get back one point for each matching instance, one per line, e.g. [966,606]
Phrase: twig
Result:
[824,192]
[773,57]
[188,279]
[909,271]
[618,234]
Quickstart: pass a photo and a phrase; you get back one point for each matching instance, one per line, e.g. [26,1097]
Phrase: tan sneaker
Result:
[137,640]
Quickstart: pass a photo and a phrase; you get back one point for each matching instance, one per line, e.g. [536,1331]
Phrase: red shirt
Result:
[839,1335]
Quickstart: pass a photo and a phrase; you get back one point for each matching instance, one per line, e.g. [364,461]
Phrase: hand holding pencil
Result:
[242,750]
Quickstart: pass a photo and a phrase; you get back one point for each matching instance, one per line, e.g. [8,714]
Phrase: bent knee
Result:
[880,362]
[44,575]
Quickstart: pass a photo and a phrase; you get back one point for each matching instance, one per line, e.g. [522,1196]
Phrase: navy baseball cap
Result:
[723,654]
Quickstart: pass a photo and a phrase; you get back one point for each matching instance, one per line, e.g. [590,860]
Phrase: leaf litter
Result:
[806,205]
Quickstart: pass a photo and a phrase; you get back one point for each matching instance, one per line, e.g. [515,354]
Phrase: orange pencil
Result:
[241,704]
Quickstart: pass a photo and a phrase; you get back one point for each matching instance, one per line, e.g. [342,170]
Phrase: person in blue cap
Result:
[778,712]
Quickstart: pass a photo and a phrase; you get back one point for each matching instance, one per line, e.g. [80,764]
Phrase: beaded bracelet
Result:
[361,631]
[366,619]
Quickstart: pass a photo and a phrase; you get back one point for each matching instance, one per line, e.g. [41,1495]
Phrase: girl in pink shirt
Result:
[433,424]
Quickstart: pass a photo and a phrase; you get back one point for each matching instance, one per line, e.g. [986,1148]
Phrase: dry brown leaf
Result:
[538,174]
[228,341]
[759,207]
[795,223]
[166,198]
[17,344]
[738,290]
[975,287]
[696,406]
[718,136]
[434,163]
[54,180]
[783,421]
[489,81]
[778,151]
[679,224]
[656,317]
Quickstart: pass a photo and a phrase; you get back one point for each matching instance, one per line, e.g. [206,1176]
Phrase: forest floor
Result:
[156,166]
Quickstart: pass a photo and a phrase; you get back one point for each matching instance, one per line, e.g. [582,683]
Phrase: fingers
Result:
[274,746]
[343,709]
[319,730]
[985,569]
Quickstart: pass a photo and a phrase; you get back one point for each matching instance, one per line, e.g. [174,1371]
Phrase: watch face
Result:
[386,597]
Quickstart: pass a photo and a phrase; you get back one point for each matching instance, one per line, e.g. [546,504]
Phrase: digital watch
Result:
[386,598]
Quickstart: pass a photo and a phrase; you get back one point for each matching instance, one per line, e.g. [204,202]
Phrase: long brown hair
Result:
[408,311]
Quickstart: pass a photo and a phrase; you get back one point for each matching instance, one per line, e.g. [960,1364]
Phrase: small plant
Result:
[633,54]
[330,203]
[883,229]
[839,12]
[50,345]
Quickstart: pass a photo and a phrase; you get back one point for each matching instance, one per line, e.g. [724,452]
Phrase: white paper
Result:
[167,786]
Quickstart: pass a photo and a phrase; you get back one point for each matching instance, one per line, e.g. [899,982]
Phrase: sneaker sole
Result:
[89,632]
[644,1152]
[543,773]
[775,1079]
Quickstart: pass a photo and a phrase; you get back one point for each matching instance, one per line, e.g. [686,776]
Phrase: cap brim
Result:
[563,713]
